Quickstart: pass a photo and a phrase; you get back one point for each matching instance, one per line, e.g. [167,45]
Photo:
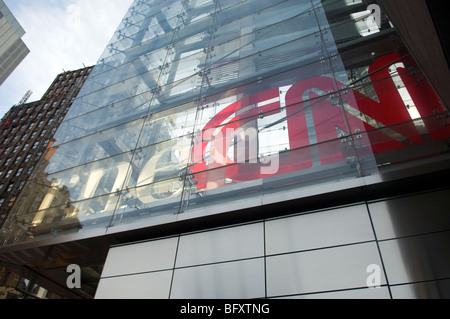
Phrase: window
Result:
[11,202]
[19,171]
[22,184]
[8,175]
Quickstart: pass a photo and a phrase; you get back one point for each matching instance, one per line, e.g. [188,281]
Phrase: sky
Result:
[62,35]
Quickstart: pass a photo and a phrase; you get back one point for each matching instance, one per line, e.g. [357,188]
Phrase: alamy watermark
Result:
[74,279]
[374,278]
[73,12]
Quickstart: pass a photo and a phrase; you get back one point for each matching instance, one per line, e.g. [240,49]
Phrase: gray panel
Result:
[322,270]
[234,280]
[154,285]
[142,257]
[417,258]
[221,245]
[330,228]
[426,290]
[368,293]
[411,215]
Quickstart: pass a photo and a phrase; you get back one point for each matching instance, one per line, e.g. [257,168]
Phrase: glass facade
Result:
[12,49]
[197,103]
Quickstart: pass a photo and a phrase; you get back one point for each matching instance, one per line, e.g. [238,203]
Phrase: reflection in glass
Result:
[195,103]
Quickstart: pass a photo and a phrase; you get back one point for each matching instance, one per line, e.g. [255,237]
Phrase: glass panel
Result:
[117,140]
[89,180]
[403,142]
[145,63]
[148,201]
[159,162]
[246,8]
[296,168]
[104,118]
[173,123]
[92,214]
[122,90]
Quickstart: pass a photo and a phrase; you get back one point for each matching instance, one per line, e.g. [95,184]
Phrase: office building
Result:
[249,149]
[12,49]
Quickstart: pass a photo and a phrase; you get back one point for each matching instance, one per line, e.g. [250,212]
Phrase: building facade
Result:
[246,149]
[27,132]
[12,49]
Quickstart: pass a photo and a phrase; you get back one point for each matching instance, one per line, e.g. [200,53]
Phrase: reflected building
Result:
[12,49]
[27,134]
[249,144]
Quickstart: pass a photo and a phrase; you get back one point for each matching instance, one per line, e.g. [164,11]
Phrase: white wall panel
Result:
[317,230]
[142,257]
[154,285]
[221,245]
[322,270]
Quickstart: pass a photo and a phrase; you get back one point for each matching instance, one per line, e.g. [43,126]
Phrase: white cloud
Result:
[61,35]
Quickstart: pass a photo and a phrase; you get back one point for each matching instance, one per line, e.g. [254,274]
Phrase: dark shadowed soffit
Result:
[421,26]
